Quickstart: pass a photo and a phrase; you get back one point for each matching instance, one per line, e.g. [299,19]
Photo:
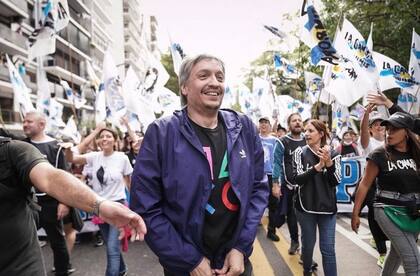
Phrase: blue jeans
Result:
[115,262]
[403,247]
[326,225]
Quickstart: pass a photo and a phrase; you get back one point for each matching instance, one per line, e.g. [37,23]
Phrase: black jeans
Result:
[291,216]
[272,206]
[247,271]
[54,229]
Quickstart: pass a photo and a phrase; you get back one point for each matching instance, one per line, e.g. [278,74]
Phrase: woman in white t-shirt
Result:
[111,172]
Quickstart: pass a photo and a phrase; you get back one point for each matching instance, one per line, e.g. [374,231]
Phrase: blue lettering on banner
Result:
[351,173]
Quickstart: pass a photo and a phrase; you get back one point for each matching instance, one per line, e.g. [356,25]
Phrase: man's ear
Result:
[184,91]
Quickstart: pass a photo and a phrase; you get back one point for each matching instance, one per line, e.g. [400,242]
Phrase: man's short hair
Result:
[38,115]
[186,68]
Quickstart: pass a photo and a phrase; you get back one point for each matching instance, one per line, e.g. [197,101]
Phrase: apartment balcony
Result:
[81,6]
[80,22]
[71,37]
[58,68]
[131,45]
[11,42]
[15,8]
[99,31]
[131,7]
[100,12]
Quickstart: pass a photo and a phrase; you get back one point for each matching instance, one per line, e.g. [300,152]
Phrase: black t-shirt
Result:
[223,206]
[347,150]
[55,156]
[19,250]
[399,175]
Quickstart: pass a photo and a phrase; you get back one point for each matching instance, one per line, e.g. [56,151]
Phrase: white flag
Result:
[352,45]
[43,93]
[341,117]
[245,99]
[313,84]
[112,87]
[177,55]
[409,103]
[135,101]
[100,104]
[159,71]
[61,14]
[93,78]
[369,42]
[168,100]
[346,81]
[414,66]
[74,98]
[21,100]
[41,41]
[391,73]
[71,131]
[55,114]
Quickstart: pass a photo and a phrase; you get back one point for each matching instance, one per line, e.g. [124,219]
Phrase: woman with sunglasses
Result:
[396,168]
[111,172]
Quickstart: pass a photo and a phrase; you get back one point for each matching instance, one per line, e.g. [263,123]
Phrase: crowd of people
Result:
[201,180]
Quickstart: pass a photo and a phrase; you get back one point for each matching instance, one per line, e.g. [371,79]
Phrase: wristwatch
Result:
[96,205]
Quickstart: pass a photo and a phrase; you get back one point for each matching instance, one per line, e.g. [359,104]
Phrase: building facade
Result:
[95,26]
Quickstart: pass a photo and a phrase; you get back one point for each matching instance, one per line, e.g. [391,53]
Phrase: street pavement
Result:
[354,255]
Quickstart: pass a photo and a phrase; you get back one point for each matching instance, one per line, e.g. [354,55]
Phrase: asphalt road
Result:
[354,255]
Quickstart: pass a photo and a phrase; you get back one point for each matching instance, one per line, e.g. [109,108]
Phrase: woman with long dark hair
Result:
[317,171]
[396,168]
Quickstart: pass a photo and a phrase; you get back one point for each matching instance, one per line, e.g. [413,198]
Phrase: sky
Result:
[230,29]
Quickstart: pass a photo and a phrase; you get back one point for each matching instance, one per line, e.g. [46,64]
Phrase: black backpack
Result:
[10,191]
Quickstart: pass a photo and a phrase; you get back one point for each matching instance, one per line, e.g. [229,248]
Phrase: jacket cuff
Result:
[197,264]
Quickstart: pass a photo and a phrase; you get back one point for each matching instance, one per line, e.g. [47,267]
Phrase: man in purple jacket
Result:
[199,180]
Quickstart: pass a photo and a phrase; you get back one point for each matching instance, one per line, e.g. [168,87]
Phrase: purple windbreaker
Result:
[171,185]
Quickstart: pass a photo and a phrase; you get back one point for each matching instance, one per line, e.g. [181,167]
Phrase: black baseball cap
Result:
[400,120]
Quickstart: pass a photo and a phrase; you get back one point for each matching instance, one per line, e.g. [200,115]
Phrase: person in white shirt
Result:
[111,171]
[372,136]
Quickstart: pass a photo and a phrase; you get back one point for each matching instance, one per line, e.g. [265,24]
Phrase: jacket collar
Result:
[229,117]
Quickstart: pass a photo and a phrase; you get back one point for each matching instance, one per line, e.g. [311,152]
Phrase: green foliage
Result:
[172,84]
[393,22]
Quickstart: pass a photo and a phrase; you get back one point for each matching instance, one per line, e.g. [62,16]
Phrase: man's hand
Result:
[234,264]
[379,99]
[203,269]
[120,216]
[276,191]
[62,211]
[355,222]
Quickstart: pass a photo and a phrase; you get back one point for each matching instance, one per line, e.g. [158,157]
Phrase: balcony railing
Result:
[11,8]
[12,37]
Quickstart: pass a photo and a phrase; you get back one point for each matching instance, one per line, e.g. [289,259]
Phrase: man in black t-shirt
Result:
[21,166]
[52,212]
[199,179]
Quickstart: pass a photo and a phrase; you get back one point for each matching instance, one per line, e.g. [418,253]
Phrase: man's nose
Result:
[213,81]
